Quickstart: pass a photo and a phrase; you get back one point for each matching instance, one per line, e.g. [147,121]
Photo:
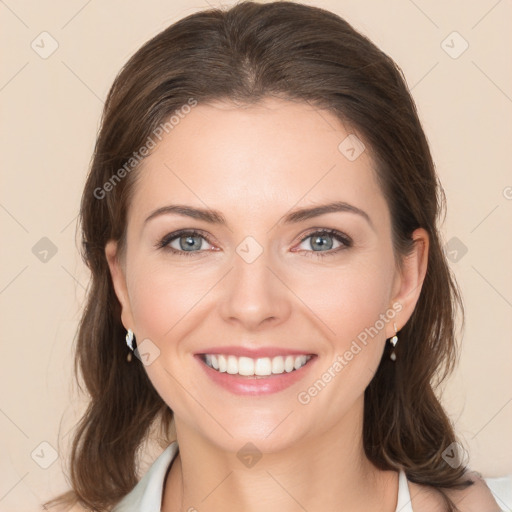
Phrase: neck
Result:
[327,472]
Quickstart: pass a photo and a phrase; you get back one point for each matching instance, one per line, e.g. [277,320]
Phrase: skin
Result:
[256,164]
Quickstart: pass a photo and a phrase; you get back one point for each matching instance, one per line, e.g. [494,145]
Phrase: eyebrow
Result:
[293,217]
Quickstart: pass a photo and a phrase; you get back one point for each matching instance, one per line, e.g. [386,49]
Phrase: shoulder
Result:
[475,498]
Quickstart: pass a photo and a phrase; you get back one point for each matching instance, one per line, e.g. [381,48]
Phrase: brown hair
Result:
[245,53]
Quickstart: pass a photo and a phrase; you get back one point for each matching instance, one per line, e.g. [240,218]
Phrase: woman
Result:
[260,221]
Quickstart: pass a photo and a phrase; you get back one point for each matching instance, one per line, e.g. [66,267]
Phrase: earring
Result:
[393,342]
[129,342]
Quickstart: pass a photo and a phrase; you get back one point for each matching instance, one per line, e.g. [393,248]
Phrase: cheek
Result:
[349,300]
[354,310]
[160,298]
[163,304]
[342,301]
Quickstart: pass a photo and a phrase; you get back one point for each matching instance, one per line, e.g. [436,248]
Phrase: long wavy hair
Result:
[246,53]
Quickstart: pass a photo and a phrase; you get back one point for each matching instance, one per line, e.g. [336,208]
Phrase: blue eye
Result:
[190,242]
[322,240]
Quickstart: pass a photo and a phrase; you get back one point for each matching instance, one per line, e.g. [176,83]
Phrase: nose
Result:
[254,294]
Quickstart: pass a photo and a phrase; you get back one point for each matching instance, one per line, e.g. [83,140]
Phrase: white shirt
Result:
[147,495]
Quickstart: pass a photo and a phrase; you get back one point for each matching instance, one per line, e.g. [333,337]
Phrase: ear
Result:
[118,273]
[409,281]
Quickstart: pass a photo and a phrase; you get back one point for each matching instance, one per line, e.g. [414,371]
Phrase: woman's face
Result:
[255,276]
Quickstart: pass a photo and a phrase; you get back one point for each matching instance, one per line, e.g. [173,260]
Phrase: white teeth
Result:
[232,367]
[245,365]
[277,365]
[262,366]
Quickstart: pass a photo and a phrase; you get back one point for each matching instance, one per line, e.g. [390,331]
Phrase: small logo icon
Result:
[44,45]
[454,45]
[44,455]
[351,147]
[147,352]
[249,249]
[455,455]
[455,249]
[249,455]
[44,250]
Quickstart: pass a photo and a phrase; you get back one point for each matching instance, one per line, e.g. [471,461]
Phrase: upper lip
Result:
[254,353]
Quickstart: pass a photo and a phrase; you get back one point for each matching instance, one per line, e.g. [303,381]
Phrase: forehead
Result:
[258,159]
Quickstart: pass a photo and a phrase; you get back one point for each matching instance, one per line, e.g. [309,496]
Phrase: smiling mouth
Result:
[256,368]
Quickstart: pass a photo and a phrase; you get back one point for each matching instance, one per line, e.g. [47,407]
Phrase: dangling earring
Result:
[393,342]
[129,342]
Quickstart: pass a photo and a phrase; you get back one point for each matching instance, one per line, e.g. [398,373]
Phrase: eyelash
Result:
[340,237]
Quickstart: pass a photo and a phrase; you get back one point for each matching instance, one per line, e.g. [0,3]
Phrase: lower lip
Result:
[240,385]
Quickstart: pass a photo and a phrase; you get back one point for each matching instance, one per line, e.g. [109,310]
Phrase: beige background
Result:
[50,114]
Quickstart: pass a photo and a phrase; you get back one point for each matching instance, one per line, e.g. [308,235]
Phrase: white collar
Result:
[147,495]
